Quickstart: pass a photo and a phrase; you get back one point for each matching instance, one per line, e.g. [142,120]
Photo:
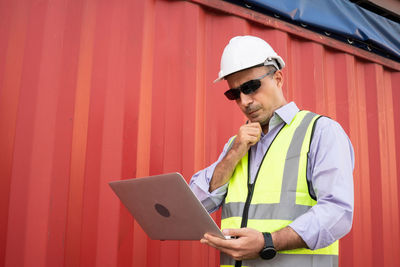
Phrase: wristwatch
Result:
[268,252]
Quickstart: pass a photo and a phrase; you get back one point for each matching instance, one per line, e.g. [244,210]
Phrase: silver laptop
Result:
[165,207]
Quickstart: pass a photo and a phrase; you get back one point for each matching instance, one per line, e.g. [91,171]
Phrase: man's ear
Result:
[278,77]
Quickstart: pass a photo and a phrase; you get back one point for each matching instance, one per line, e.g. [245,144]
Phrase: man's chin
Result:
[261,121]
[252,120]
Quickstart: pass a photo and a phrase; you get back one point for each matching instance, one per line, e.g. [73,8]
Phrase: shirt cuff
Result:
[214,201]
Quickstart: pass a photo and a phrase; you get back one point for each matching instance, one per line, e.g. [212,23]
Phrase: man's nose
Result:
[245,100]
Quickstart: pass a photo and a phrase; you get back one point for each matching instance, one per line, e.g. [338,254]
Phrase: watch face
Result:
[268,253]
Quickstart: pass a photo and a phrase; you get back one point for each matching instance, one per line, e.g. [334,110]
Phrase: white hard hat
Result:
[244,52]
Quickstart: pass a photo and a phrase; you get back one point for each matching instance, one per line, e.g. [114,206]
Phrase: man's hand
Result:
[247,245]
[248,135]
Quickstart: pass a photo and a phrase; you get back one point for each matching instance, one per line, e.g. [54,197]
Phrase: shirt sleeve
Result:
[330,169]
[200,184]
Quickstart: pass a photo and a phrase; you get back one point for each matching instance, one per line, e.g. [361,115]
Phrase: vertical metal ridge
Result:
[329,83]
[79,137]
[66,82]
[347,84]
[359,135]
[375,163]
[146,81]
[111,154]
[319,77]
[395,84]
[384,194]
[144,121]
[15,26]
[199,138]
[23,169]
[131,103]
[42,162]
[388,171]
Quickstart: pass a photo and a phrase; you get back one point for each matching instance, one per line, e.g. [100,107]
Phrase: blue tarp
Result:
[340,18]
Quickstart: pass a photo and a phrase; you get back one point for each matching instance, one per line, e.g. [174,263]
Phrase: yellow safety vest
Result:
[278,195]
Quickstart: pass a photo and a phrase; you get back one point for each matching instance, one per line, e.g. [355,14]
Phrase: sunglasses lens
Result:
[246,88]
[250,86]
[232,94]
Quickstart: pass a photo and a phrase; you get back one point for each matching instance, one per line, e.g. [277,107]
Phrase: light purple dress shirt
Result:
[330,169]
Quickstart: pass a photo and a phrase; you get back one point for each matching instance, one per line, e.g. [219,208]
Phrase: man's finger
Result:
[251,126]
[256,130]
[235,232]
[253,123]
[218,242]
[206,242]
[253,131]
[227,251]
[253,140]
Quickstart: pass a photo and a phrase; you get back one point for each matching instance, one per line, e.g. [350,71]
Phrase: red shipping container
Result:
[93,91]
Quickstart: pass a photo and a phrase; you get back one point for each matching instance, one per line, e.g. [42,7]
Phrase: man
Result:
[285,180]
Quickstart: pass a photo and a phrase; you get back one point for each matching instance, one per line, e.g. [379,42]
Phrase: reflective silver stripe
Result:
[290,172]
[230,145]
[276,211]
[287,260]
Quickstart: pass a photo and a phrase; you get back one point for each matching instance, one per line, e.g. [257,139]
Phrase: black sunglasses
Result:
[246,88]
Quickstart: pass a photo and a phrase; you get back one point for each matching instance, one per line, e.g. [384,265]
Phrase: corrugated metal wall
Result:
[93,91]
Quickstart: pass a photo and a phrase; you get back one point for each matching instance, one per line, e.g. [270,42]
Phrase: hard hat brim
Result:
[218,79]
[279,64]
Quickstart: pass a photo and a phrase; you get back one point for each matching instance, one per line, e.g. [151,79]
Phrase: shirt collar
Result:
[287,112]
[284,114]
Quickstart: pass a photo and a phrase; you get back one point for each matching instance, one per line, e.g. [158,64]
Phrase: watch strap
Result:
[268,240]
